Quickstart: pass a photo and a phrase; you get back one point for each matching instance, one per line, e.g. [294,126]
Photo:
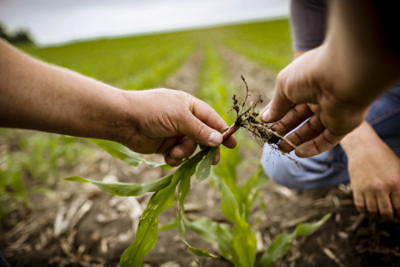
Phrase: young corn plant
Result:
[33,157]
[236,244]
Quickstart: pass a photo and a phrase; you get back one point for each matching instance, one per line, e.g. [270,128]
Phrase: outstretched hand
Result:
[310,91]
[170,123]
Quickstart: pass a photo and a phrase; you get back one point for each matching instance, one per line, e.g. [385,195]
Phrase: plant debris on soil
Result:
[79,225]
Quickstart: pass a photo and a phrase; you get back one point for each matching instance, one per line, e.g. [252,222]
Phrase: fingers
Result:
[359,202]
[172,162]
[168,143]
[183,149]
[277,108]
[309,130]
[371,204]
[293,118]
[316,146]
[293,86]
[384,205]
[217,156]
[206,126]
[199,131]
[378,203]
[377,198]
[395,197]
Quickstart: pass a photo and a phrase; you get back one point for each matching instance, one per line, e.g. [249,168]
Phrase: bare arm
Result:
[38,96]
[35,95]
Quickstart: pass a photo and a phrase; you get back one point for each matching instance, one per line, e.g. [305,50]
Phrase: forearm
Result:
[359,49]
[35,95]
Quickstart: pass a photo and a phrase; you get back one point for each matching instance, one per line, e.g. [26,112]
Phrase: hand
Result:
[169,122]
[327,95]
[374,173]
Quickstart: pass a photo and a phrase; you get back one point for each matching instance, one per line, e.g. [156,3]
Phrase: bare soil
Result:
[78,225]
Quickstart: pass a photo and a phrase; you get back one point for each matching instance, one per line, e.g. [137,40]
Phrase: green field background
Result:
[133,63]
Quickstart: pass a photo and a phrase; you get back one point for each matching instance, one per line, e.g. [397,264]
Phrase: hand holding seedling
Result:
[337,81]
[310,81]
[171,122]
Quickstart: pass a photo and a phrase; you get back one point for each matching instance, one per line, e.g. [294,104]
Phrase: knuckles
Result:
[360,207]
[201,129]
[394,183]
[372,210]
[378,186]
[387,213]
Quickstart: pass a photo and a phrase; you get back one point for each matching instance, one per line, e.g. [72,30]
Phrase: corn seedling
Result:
[238,243]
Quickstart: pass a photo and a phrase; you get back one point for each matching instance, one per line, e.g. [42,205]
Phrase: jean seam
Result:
[383,116]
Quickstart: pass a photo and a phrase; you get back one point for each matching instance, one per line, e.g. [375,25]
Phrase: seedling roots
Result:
[248,119]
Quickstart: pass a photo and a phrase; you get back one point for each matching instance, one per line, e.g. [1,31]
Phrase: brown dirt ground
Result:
[78,225]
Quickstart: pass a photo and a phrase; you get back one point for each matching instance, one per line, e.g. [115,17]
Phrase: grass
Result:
[128,63]
[267,43]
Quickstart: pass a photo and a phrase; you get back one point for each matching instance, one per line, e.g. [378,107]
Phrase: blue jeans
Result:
[3,262]
[330,167]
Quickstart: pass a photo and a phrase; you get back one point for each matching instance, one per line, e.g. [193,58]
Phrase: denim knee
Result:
[324,170]
[277,167]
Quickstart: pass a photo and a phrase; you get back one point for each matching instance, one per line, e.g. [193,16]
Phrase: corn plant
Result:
[34,156]
[236,244]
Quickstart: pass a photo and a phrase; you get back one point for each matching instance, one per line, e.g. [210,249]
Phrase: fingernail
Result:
[176,154]
[265,115]
[215,139]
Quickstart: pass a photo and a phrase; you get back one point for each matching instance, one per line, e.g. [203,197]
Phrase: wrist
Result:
[123,122]
[109,115]
[362,138]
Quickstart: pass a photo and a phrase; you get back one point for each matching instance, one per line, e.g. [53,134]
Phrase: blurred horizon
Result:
[56,22]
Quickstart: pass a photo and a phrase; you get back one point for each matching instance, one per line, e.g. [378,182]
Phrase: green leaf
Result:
[213,232]
[225,172]
[251,190]
[204,167]
[282,242]
[232,205]
[244,240]
[230,159]
[147,232]
[169,225]
[16,182]
[126,155]
[183,190]
[127,189]
[202,253]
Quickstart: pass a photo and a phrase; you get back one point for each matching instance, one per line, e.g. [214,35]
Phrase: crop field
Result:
[47,221]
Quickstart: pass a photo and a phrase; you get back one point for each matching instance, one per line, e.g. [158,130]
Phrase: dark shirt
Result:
[308,20]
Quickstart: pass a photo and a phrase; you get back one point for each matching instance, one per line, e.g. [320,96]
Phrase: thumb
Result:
[277,108]
[199,131]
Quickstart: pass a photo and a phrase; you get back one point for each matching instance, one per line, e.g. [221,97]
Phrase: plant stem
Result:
[231,130]
[225,135]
